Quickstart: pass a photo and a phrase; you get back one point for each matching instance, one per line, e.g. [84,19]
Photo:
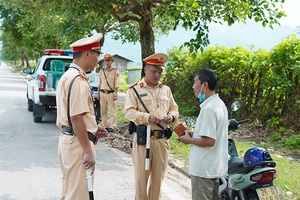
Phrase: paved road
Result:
[29,168]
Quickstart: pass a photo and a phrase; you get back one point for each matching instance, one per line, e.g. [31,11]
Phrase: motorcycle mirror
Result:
[236,105]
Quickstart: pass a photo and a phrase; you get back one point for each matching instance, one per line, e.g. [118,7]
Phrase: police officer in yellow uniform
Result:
[163,110]
[109,82]
[80,132]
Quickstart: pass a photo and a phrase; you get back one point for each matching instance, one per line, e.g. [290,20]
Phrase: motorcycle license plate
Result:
[270,193]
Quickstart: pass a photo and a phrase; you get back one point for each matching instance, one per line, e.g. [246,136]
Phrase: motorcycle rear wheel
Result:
[252,196]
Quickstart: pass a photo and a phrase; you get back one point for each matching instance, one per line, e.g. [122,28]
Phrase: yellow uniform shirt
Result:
[159,101]
[80,99]
[112,78]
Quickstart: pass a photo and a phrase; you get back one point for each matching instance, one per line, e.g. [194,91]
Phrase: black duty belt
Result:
[66,130]
[107,91]
[157,134]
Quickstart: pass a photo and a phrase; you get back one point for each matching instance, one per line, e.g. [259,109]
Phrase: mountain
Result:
[236,35]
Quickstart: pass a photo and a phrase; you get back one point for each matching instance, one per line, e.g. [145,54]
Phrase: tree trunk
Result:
[27,62]
[22,62]
[146,40]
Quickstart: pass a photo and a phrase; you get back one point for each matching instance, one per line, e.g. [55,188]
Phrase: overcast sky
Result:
[292,9]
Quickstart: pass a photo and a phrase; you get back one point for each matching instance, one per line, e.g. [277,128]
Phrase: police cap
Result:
[156,60]
[88,44]
[108,57]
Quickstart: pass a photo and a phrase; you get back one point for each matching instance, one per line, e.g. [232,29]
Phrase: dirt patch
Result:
[120,140]
[258,137]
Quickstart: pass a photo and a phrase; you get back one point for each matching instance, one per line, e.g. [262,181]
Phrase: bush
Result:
[266,82]
[292,142]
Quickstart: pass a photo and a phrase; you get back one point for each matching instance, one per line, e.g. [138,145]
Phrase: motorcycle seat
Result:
[235,165]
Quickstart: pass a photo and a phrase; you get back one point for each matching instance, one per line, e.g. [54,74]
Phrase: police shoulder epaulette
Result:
[133,85]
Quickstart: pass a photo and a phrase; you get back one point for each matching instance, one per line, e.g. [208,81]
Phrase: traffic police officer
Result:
[163,110]
[76,150]
[109,82]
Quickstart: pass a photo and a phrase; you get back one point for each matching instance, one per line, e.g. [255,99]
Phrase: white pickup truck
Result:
[41,85]
[93,83]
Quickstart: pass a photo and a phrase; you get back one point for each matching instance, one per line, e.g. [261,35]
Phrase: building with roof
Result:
[120,63]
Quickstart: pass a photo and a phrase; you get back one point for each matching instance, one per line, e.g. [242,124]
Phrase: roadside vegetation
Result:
[267,82]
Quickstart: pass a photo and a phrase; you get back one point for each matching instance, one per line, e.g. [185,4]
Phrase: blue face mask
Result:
[201,95]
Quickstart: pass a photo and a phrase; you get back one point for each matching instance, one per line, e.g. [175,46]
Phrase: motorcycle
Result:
[250,177]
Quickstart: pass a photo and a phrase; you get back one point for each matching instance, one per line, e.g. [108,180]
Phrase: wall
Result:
[134,75]
[118,63]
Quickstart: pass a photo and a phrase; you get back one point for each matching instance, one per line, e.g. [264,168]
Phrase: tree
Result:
[140,21]
[134,20]
[24,35]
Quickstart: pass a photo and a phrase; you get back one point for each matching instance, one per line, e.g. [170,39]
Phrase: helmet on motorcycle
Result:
[256,155]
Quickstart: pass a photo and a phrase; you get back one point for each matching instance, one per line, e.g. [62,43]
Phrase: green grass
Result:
[123,82]
[179,149]
[120,115]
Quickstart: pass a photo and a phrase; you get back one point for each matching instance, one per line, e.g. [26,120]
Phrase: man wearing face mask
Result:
[208,153]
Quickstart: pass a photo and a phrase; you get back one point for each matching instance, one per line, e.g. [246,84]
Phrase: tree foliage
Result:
[266,82]
[55,24]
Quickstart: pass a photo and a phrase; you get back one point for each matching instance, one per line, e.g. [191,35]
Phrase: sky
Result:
[291,8]
[238,34]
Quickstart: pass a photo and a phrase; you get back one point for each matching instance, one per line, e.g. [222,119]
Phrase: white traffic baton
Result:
[90,183]
[147,164]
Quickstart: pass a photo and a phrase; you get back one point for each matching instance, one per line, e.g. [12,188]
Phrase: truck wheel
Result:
[37,119]
[38,112]
[30,108]
[29,105]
